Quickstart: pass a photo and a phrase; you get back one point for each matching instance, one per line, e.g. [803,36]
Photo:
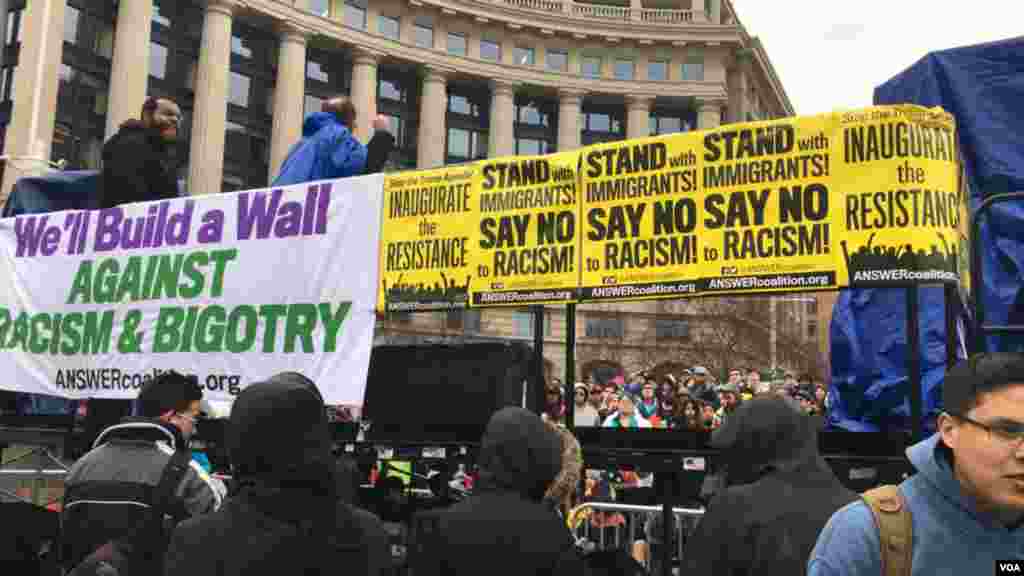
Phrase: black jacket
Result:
[286,516]
[106,489]
[779,495]
[506,529]
[378,150]
[137,167]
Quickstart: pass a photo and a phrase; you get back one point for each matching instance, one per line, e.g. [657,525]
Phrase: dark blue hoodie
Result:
[327,150]
[950,535]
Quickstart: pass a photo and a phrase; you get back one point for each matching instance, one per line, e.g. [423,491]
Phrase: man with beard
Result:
[778,494]
[138,161]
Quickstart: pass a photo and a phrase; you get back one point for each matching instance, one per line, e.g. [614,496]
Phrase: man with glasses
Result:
[967,499]
[108,489]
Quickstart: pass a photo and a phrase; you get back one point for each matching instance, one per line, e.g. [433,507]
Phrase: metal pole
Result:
[570,365]
[952,295]
[914,363]
[538,356]
[773,334]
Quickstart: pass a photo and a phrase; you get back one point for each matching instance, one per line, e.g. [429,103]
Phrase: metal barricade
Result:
[685,521]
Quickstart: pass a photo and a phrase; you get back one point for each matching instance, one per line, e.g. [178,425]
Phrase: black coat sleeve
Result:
[378,149]
[124,172]
[716,546]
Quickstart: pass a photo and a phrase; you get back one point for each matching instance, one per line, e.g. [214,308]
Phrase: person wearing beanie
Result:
[107,488]
[285,515]
[648,405]
[584,413]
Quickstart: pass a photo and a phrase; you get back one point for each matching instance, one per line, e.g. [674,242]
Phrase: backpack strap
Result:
[895,528]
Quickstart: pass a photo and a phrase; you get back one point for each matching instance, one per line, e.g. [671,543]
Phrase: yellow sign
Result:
[527,243]
[902,211]
[640,215]
[861,199]
[427,240]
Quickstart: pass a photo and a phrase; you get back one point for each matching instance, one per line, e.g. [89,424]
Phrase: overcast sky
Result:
[830,54]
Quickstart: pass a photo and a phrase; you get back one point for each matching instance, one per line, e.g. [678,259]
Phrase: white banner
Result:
[231,288]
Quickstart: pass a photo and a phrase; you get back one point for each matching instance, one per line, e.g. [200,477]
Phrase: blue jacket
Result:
[950,535]
[327,150]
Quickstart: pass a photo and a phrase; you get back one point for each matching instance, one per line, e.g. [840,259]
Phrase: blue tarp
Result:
[983,87]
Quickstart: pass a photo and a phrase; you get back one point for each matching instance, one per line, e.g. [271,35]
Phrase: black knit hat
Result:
[978,375]
[168,392]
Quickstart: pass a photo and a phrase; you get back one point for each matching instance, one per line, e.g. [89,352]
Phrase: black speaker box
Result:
[444,393]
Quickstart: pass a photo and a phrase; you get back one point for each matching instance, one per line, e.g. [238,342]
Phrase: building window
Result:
[88,30]
[240,90]
[590,66]
[161,17]
[465,145]
[532,115]
[157,60]
[71,16]
[670,328]
[667,125]
[601,124]
[312,104]
[693,68]
[457,43]
[391,90]
[812,330]
[523,56]
[459,104]
[623,69]
[657,70]
[320,7]
[423,33]
[388,27]
[239,48]
[532,147]
[355,14]
[490,50]
[523,321]
[812,307]
[315,71]
[605,327]
[557,60]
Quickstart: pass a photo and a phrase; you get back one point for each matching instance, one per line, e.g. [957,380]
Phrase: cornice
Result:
[457,65]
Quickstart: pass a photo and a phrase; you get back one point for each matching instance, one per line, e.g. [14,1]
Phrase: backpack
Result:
[129,554]
[895,528]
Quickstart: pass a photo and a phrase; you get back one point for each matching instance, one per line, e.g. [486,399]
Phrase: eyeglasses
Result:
[1010,434]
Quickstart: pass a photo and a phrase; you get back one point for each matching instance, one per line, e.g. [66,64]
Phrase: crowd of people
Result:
[136,504]
[692,401]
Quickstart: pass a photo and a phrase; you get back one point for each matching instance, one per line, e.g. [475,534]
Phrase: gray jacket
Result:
[106,489]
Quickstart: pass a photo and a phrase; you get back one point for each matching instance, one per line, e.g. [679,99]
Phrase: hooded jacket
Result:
[105,489]
[950,535]
[779,494]
[138,166]
[506,528]
[329,150]
[286,516]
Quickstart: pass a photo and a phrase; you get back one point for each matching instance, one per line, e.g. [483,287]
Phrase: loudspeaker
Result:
[444,393]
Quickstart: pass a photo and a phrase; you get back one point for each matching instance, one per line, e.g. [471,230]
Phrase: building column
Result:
[289,95]
[210,111]
[716,12]
[364,92]
[709,114]
[431,141]
[638,116]
[129,69]
[34,112]
[569,102]
[502,137]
